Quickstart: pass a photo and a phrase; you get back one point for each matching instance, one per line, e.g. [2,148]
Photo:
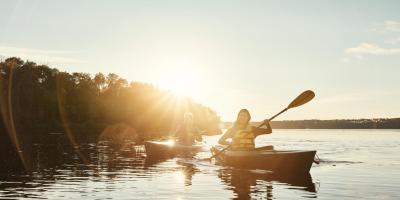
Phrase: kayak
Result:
[162,149]
[290,161]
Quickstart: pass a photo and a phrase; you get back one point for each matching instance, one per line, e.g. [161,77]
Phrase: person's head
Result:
[188,118]
[243,117]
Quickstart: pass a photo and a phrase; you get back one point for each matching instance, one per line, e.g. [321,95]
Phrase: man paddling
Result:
[242,133]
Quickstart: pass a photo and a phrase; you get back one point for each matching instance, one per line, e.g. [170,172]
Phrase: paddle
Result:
[303,98]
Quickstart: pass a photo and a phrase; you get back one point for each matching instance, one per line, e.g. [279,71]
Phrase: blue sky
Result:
[225,54]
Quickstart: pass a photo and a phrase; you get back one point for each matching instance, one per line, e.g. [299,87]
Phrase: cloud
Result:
[393,41]
[366,48]
[41,55]
[392,26]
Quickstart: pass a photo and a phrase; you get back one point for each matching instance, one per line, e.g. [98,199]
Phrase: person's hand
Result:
[266,122]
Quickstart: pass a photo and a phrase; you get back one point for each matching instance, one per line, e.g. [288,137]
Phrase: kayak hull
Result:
[158,149]
[273,160]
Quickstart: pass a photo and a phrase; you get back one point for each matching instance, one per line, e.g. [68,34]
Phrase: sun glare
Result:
[180,176]
[181,80]
[170,142]
[181,83]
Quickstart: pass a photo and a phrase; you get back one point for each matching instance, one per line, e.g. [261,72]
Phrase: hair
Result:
[188,115]
[244,111]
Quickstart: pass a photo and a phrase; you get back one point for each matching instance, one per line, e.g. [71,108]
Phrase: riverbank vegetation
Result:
[39,103]
[379,123]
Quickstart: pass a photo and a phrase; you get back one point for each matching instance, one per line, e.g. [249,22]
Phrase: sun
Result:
[183,84]
[182,81]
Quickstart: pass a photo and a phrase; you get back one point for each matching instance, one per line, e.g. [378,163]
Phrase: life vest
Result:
[243,139]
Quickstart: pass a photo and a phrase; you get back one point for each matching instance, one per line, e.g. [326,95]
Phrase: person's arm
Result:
[227,135]
[261,131]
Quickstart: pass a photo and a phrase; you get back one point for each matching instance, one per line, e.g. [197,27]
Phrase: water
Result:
[355,164]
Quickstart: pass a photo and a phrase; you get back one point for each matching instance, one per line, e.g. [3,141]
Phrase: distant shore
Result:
[379,123]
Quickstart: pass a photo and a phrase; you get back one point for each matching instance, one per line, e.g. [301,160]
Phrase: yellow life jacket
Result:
[243,139]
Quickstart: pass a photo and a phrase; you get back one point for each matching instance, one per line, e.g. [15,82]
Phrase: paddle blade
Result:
[303,98]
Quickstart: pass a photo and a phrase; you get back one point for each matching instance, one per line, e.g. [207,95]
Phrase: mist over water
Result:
[355,164]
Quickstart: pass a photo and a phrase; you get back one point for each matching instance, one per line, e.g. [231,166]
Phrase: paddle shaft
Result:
[273,117]
[222,150]
[303,98]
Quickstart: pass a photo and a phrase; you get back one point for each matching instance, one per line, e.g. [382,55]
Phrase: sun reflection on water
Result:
[170,142]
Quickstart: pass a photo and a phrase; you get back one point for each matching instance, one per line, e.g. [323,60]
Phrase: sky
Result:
[225,54]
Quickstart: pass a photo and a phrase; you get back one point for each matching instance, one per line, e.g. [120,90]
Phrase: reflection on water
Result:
[258,183]
[124,172]
[109,171]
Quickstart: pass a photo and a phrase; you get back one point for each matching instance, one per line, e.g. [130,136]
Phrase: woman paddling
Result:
[188,133]
[242,133]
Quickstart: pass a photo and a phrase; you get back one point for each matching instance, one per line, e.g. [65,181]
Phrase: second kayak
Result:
[170,149]
[291,161]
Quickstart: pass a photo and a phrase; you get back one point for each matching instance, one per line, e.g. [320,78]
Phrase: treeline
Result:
[383,123]
[392,123]
[39,103]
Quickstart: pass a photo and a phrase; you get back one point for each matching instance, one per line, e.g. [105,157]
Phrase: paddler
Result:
[242,133]
[188,133]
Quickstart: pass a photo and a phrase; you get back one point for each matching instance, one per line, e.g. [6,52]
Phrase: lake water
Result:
[355,164]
